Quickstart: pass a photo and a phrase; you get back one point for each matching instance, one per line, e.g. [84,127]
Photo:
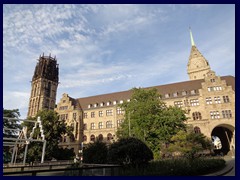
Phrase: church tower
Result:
[44,85]
[197,66]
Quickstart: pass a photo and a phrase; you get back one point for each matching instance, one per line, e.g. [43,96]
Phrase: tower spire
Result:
[191,36]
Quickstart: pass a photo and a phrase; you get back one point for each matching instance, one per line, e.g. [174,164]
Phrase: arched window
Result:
[84,138]
[109,137]
[100,137]
[197,130]
[196,116]
[92,138]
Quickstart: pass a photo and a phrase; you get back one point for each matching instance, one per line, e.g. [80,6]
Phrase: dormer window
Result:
[90,105]
[121,101]
[95,105]
[167,95]
[184,93]
[114,102]
[193,91]
[175,94]
[108,103]
[102,104]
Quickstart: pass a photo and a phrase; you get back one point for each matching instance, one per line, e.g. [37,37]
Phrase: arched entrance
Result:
[224,139]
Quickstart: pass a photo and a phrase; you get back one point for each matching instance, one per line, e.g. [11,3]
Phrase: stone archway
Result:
[225,133]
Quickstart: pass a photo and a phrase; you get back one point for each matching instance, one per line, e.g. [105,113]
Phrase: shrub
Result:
[176,167]
[129,151]
[95,153]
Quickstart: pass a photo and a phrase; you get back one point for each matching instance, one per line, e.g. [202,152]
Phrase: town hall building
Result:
[208,99]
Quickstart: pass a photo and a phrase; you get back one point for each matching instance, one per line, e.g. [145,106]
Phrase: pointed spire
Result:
[191,36]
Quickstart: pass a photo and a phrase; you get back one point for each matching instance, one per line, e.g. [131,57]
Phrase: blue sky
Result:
[108,48]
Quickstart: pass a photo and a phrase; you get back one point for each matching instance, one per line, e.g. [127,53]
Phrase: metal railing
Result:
[65,170]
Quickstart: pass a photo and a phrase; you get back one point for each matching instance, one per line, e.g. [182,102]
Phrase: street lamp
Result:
[129,122]
[129,125]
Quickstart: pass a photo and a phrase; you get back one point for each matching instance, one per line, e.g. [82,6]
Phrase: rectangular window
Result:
[212,80]
[215,88]
[217,100]
[100,113]
[119,111]
[194,102]
[92,114]
[186,103]
[109,112]
[109,124]
[208,100]
[74,116]
[100,125]
[119,122]
[63,108]
[226,99]
[178,103]
[85,126]
[62,117]
[226,113]
[85,115]
[92,125]
[214,114]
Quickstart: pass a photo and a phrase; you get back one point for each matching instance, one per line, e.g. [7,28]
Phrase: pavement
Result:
[230,166]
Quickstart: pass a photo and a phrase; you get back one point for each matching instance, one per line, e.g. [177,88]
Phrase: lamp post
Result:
[129,122]
[129,125]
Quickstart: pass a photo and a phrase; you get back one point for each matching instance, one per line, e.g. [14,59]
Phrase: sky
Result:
[108,48]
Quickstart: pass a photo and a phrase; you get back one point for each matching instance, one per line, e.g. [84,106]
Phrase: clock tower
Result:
[197,66]
[44,85]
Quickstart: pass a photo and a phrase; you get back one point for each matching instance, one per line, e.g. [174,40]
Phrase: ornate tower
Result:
[197,66]
[44,85]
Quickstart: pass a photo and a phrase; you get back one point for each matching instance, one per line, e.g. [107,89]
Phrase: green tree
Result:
[53,129]
[148,118]
[95,153]
[189,143]
[131,151]
[12,124]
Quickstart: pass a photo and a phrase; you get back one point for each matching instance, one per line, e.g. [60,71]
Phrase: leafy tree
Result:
[149,119]
[189,143]
[53,129]
[95,153]
[129,151]
[11,124]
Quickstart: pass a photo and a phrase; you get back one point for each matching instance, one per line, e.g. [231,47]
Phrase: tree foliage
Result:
[150,119]
[189,143]
[11,124]
[95,153]
[129,151]
[53,129]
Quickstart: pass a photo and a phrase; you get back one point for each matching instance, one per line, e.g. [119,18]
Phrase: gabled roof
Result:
[162,89]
